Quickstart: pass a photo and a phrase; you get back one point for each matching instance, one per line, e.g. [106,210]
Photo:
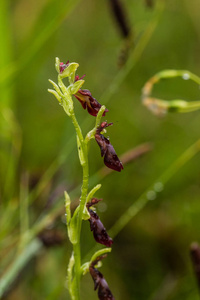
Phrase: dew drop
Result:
[186,76]
[158,186]
[102,206]
[151,195]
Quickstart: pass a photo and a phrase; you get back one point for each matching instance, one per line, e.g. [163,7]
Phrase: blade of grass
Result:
[7,98]
[15,136]
[136,54]
[19,263]
[151,192]
[5,50]
[39,37]
[24,206]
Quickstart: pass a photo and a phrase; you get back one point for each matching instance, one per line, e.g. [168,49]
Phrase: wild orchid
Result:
[84,210]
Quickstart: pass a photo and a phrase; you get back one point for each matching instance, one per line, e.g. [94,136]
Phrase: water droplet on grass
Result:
[151,195]
[186,76]
[102,206]
[158,186]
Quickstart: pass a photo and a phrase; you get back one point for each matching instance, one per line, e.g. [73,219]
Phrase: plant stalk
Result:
[83,149]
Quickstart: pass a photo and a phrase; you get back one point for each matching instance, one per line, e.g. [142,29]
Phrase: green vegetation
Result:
[151,210]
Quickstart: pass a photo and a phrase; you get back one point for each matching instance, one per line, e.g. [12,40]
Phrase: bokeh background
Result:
[38,159]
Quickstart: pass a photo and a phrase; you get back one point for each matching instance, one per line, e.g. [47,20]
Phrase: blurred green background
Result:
[38,160]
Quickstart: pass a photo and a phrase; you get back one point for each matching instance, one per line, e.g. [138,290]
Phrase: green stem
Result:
[75,289]
[64,96]
[76,247]
[83,156]
[78,129]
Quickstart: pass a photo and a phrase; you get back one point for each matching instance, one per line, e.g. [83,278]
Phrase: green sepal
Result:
[72,228]
[71,78]
[63,88]
[91,134]
[73,88]
[100,253]
[86,214]
[56,87]
[85,266]
[69,71]
[92,192]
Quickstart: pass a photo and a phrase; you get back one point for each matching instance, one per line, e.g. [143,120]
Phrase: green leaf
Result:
[73,88]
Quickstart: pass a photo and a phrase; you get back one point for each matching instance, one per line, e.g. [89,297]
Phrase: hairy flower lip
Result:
[97,227]
[102,126]
[104,292]
[111,159]
[89,102]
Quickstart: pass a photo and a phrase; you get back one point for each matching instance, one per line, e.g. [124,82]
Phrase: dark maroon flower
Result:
[87,101]
[111,159]
[99,231]
[63,66]
[104,292]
